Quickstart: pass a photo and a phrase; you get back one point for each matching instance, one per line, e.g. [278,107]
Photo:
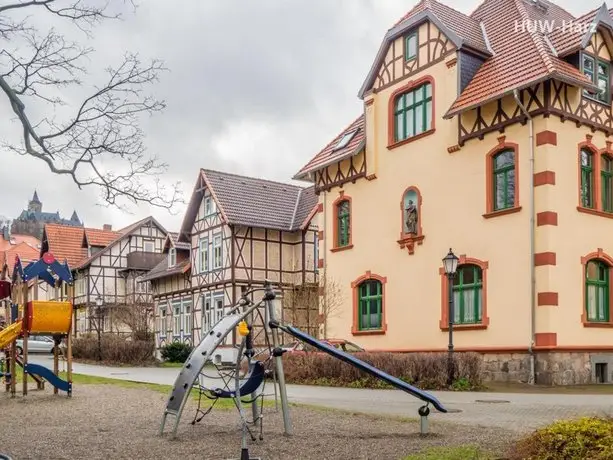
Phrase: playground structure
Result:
[26,317]
[244,382]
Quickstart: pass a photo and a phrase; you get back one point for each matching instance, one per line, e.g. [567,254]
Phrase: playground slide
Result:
[9,334]
[349,359]
[49,376]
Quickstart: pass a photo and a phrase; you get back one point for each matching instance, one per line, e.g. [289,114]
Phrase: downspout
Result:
[532,376]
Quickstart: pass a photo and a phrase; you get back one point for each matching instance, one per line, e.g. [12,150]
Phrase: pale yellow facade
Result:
[450,171]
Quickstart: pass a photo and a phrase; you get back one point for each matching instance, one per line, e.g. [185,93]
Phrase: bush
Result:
[425,370]
[588,438]
[176,352]
[115,349]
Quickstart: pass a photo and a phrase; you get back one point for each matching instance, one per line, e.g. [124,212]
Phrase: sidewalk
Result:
[517,411]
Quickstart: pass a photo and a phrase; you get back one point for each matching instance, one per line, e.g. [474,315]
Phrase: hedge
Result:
[425,370]
[115,349]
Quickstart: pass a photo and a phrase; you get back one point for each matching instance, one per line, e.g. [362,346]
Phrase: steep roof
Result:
[330,154]
[501,74]
[26,253]
[65,242]
[99,237]
[252,202]
[15,239]
[162,270]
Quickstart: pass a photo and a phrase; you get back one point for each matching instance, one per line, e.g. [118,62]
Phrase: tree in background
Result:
[86,140]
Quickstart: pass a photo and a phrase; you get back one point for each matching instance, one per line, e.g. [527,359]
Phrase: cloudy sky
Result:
[253,87]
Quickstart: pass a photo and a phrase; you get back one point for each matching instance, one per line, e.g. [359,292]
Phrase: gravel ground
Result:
[107,421]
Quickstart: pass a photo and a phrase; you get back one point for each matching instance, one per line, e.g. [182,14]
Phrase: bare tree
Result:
[330,300]
[135,315]
[88,140]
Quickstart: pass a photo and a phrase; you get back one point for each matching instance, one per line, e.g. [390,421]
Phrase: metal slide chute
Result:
[192,368]
[363,366]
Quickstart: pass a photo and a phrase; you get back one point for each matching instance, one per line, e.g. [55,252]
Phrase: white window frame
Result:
[203,253]
[188,323]
[163,318]
[172,257]
[209,206]
[176,317]
[217,257]
[218,311]
[207,309]
[146,242]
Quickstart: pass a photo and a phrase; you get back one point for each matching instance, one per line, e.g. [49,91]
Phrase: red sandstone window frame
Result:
[356,304]
[410,86]
[485,319]
[602,256]
[342,198]
[489,179]
[597,153]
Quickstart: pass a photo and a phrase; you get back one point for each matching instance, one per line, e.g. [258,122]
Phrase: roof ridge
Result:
[291,224]
[242,176]
[537,39]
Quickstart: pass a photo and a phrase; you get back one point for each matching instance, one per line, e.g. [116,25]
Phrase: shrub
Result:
[588,438]
[176,352]
[425,370]
[115,349]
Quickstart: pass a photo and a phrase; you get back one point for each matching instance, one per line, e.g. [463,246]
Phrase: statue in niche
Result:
[411,218]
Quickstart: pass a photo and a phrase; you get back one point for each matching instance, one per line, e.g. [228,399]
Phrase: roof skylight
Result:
[345,140]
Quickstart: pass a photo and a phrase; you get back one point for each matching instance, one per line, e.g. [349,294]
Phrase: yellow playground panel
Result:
[47,317]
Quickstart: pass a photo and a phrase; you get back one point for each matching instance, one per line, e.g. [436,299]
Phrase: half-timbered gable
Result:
[240,231]
[476,128]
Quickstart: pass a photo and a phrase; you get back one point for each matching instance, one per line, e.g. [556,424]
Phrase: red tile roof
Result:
[97,237]
[501,74]
[66,243]
[16,239]
[26,253]
[329,155]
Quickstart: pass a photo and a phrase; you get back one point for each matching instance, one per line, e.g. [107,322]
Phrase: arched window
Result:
[606,182]
[587,178]
[413,112]
[597,294]
[468,294]
[343,223]
[503,169]
[370,305]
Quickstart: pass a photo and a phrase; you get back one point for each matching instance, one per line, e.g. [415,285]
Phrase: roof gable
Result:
[463,31]
[64,242]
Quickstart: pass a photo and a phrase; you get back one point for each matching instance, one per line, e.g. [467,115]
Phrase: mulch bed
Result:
[113,422]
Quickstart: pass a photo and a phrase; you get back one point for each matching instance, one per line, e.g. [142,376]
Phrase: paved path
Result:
[506,410]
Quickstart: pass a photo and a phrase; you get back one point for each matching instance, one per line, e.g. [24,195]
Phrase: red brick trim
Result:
[544,178]
[547,218]
[489,178]
[391,142]
[369,102]
[546,138]
[354,288]
[547,298]
[544,258]
[444,321]
[320,235]
[320,207]
[320,263]
[342,197]
[599,254]
[546,339]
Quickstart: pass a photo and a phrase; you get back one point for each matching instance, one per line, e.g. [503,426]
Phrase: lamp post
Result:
[450,264]
[99,303]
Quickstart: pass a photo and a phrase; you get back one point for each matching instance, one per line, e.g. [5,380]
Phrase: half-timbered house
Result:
[107,267]
[489,133]
[237,232]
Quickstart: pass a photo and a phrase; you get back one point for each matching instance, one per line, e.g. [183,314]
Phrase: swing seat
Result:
[255,377]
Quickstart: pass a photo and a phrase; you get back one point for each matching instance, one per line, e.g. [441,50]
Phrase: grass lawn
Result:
[451,453]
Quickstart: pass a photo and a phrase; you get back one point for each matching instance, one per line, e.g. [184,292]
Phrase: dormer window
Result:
[598,71]
[172,257]
[410,47]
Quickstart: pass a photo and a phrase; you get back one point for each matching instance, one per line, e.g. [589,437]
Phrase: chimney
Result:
[107,227]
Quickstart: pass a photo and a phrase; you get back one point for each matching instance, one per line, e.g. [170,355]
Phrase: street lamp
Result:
[99,304]
[450,264]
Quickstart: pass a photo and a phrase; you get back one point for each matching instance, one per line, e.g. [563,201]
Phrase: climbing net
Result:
[244,381]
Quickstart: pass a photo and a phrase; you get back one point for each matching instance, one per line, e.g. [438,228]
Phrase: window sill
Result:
[373,332]
[601,325]
[595,212]
[393,145]
[466,327]
[342,248]
[501,212]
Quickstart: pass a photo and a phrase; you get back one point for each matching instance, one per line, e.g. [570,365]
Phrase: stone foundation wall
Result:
[552,368]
